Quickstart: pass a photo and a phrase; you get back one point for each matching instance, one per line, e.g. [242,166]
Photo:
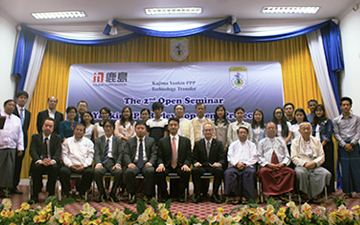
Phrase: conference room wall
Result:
[7,45]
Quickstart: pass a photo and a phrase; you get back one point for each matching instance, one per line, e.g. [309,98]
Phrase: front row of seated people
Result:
[174,155]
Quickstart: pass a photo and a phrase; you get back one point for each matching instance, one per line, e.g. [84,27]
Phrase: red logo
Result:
[98,77]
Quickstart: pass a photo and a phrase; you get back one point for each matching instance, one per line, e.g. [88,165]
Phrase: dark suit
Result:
[44,114]
[117,153]
[19,159]
[165,156]
[216,154]
[131,148]
[37,170]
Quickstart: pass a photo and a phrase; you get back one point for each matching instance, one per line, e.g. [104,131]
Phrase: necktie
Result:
[174,154]
[105,160]
[140,162]
[208,148]
[22,116]
[44,152]
[274,158]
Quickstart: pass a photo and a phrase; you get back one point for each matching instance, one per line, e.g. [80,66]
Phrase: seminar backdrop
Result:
[250,85]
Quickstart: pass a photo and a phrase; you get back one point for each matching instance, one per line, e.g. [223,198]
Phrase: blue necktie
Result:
[22,116]
[105,160]
[140,162]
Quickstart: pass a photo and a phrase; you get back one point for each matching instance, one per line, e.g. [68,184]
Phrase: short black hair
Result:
[106,109]
[82,101]
[82,125]
[239,108]
[289,103]
[179,105]
[22,93]
[111,122]
[51,97]
[140,122]
[200,103]
[145,109]
[312,100]
[174,119]
[157,105]
[9,100]
[68,109]
[242,127]
[345,99]
[47,118]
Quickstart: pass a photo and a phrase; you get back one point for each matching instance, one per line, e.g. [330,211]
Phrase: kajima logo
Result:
[110,77]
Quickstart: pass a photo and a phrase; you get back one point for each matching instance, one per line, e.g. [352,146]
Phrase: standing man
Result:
[157,126]
[208,156]
[82,107]
[140,157]
[240,177]
[11,145]
[289,112]
[347,133]
[21,98]
[199,121]
[274,159]
[307,154]
[77,155]
[108,157]
[50,112]
[174,156]
[186,128]
[45,150]
[311,105]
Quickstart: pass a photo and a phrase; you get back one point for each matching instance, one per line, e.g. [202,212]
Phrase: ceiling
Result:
[19,11]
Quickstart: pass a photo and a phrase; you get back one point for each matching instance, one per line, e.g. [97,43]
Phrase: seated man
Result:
[240,177]
[45,150]
[274,158]
[77,155]
[208,156]
[174,156]
[140,157]
[108,156]
[307,154]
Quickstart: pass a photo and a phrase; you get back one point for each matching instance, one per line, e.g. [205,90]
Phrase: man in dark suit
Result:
[50,112]
[208,156]
[45,150]
[108,156]
[21,98]
[140,157]
[174,156]
[82,107]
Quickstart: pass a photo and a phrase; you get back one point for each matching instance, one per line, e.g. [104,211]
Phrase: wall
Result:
[7,46]
[350,33]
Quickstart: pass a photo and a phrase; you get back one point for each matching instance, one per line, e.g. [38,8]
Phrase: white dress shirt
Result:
[244,152]
[77,151]
[11,136]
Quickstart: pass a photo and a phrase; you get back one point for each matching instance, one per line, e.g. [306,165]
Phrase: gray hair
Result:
[305,123]
[212,126]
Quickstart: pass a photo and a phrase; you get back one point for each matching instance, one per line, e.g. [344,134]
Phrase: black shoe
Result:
[15,191]
[197,199]
[181,198]
[132,199]
[113,197]
[33,200]
[102,198]
[215,199]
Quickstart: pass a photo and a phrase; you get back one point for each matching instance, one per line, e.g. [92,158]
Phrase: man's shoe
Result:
[33,200]
[197,199]
[102,198]
[15,191]
[181,198]
[132,199]
[215,199]
[113,197]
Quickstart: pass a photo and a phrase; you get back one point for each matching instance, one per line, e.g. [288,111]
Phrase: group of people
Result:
[293,152]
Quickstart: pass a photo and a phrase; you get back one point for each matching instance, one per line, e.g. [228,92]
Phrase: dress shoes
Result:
[33,200]
[16,191]
[215,199]
[181,198]
[132,199]
[113,197]
[197,199]
[102,198]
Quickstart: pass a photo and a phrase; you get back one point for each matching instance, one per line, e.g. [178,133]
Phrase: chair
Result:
[209,176]
[170,176]
[74,176]
[44,176]
[262,193]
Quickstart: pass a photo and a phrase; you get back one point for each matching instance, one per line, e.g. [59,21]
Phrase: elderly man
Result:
[140,157]
[347,133]
[307,154]
[186,128]
[50,112]
[108,157]
[274,158]
[45,150]
[240,177]
[208,156]
[11,145]
[77,155]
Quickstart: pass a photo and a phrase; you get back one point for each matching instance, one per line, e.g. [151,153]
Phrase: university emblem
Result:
[238,77]
[179,48]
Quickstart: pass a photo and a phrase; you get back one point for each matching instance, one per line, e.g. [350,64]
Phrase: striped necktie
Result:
[105,160]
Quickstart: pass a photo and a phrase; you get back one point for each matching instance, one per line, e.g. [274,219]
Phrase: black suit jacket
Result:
[25,126]
[44,114]
[131,149]
[36,146]
[116,149]
[217,153]
[165,152]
